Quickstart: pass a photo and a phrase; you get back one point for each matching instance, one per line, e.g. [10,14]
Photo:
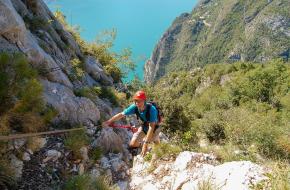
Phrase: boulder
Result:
[52,155]
[17,166]
[190,170]
[84,153]
[123,185]
[109,141]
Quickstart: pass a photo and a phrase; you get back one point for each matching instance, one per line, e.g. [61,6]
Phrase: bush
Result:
[7,181]
[258,84]
[165,150]
[96,153]
[213,126]
[174,117]
[250,110]
[77,69]
[102,92]
[100,49]
[206,185]
[75,141]
[85,92]
[114,72]
[107,92]
[246,128]
[216,71]
[28,122]
[86,182]
[48,114]
[278,177]
[22,107]
[36,23]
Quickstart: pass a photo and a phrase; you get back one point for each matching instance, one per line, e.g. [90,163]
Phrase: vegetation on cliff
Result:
[238,111]
[21,106]
[117,65]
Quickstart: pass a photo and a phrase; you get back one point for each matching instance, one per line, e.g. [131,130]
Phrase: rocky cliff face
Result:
[30,28]
[223,31]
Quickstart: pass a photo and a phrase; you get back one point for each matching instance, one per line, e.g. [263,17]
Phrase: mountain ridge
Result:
[242,31]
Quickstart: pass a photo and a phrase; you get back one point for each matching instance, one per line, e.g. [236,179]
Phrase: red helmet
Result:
[139,95]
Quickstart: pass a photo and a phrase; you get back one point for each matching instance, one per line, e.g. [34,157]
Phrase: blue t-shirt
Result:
[153,113]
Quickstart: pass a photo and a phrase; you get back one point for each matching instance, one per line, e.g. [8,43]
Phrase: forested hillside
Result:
[223,31]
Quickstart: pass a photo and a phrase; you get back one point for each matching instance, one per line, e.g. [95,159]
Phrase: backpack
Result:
[148,107]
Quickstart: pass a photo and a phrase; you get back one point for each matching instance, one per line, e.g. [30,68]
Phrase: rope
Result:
[131,128]
[20,136]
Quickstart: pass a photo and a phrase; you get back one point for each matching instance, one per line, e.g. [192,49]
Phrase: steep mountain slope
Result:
[51,79]
[219,31]
[29,28]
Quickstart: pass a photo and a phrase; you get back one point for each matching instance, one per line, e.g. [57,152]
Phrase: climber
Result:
[148,114]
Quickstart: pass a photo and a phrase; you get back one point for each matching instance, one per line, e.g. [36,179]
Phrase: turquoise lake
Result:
[139,23]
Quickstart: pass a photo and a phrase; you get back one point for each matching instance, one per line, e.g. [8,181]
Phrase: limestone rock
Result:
[17,166]
[95,69]
[123,185]
[84,153]
[109,141]
[191,169]
[81,169]
[18,143]
[26,156]
[13,29]
[52,155]
[71,109]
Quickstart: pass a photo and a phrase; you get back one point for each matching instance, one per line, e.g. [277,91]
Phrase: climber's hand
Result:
[106,123]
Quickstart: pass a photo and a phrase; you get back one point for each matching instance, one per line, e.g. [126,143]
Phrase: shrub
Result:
[30,98]
[102,92]
[216,71]
[278,176]
[36,23]
[122,98]
[207,185]
[213,126]
[85,92]
[174,117]
[107,92]
[78,69]
[189,138]
[22,107]
[114,72]
[100,49]
[16,75]
[75,141]
[251,110]
[48,114]
[211,98]
[164,150]
[258,84]
[4,125]
[7,181]
[86,182]
[245,128]
[96,153]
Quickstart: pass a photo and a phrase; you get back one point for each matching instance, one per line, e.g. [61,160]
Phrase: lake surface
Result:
[139,23]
